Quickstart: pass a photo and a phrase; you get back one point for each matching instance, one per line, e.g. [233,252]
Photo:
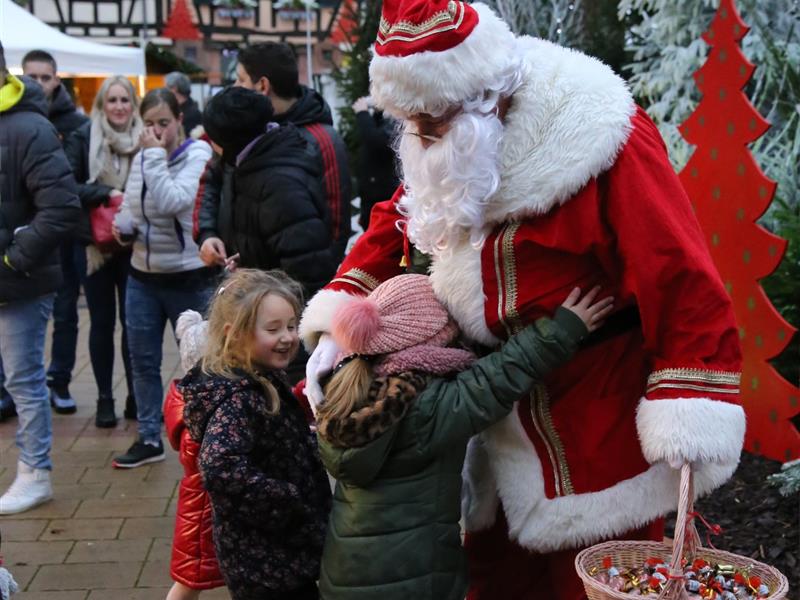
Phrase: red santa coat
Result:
[194,561]
[587,197]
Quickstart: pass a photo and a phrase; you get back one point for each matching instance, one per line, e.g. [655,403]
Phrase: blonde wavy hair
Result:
[100,97]
[232,321]
[347,390]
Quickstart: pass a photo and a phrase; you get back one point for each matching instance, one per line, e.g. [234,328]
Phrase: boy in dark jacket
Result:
[41,66]
[39,207]
[276,215]
[270,69]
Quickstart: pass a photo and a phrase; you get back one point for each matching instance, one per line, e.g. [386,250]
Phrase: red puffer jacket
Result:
[194,562]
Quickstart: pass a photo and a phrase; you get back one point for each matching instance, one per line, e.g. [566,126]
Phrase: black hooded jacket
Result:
[268,489]
[274,215]
[39,205]
[313,116]
[63,114]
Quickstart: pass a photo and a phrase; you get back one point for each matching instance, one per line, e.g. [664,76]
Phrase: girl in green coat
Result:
[399,410]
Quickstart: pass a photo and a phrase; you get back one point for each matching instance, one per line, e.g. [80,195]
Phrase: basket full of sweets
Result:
[617,570]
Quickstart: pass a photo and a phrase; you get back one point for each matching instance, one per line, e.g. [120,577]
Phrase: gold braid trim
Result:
[367,281]
[693,375]
[406,31]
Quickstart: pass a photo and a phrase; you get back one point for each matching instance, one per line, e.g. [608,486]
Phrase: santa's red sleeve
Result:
[691,409]
[376,256]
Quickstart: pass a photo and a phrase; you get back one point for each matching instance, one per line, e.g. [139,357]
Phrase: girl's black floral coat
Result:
[269,492]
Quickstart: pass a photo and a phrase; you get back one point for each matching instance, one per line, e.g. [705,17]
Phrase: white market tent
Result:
[20,32]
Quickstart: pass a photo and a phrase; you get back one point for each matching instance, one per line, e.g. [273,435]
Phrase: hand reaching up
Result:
[592,313]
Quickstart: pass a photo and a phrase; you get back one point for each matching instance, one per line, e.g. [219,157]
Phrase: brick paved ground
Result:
[107,533]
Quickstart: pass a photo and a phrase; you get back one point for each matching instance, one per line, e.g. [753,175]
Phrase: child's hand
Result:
[590,312]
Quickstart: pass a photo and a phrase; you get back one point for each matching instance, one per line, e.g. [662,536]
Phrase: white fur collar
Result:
[568,121]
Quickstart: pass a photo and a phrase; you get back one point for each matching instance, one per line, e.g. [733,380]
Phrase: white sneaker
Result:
[31,488]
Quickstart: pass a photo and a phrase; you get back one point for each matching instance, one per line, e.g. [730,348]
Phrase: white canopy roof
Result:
[20,32]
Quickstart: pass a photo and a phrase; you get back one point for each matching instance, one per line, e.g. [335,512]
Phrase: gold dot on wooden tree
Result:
[756,446]
[762,192]
[729,287]
[711,34]
[723,13]
[773,415]
[723,56]
[751,303]
[772,250]
[701,120]
[715,192]
[723,93]
[715,239]
[731,128]
[754,383]
[701,79]
[742,69]
[736,29]
[793,401]
[759,341]
[752,124]
[714,154]
[742,333]
[740,214]
[746,256]
[741,169]
[693,172]
[781,334]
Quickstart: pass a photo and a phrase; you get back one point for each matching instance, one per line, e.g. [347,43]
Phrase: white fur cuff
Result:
[319,313]
[690,429]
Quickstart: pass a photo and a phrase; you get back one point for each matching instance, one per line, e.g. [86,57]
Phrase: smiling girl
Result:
[166,276]
[258,458]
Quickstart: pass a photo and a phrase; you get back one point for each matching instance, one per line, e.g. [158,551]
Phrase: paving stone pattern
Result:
[108,532]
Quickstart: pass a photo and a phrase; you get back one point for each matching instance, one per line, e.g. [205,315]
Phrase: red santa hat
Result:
[431,55]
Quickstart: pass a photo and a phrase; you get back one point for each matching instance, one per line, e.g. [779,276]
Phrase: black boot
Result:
[130,408]
[105,416]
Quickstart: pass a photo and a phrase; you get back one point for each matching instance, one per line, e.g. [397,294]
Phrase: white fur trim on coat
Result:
[690,429]
[319,313]
[431,81]
[548,524]
[457,283]
[567,123]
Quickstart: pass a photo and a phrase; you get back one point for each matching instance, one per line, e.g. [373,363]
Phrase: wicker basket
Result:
[631,554]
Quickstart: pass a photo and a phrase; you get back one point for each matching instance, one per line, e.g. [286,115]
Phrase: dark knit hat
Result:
[234,117]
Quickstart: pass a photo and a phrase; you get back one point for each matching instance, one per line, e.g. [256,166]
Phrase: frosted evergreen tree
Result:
[556,20]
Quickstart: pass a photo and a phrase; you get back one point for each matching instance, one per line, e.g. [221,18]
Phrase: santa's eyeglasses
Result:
[425,136]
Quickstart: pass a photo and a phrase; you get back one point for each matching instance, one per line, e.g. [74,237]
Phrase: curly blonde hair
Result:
[232,321]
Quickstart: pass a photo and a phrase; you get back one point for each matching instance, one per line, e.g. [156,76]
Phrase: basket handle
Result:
[686,539]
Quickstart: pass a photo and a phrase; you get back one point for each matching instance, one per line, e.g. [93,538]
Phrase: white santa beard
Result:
[449,184]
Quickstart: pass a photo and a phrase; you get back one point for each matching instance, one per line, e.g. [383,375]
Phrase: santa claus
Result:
[528,170]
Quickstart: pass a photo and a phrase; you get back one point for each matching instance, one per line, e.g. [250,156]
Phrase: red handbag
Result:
[100,218]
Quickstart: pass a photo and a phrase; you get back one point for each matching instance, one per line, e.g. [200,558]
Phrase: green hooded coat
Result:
[394,531]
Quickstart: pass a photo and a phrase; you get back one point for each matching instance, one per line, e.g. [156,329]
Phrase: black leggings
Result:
[105,296]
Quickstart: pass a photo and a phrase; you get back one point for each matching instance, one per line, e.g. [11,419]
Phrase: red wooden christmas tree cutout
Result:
[179,25]
[729,193]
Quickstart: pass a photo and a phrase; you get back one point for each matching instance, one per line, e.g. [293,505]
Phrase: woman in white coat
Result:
[166,274]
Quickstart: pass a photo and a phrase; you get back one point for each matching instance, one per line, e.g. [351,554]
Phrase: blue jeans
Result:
[23,324]
[65,314]
[148,307]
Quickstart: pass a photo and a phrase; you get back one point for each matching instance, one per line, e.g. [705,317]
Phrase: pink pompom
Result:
[355,324]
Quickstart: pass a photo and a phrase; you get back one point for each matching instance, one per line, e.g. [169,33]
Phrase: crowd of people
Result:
[499,353]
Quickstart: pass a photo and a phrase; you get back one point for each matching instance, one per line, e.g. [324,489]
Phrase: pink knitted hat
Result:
[400,313]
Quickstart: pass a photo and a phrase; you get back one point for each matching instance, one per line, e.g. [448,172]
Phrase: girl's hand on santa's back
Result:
[592,313]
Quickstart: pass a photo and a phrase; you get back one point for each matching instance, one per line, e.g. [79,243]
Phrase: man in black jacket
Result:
[39,207]
[41,66]
[270,69]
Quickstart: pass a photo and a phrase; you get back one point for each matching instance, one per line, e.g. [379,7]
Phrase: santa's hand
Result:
[320,363]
